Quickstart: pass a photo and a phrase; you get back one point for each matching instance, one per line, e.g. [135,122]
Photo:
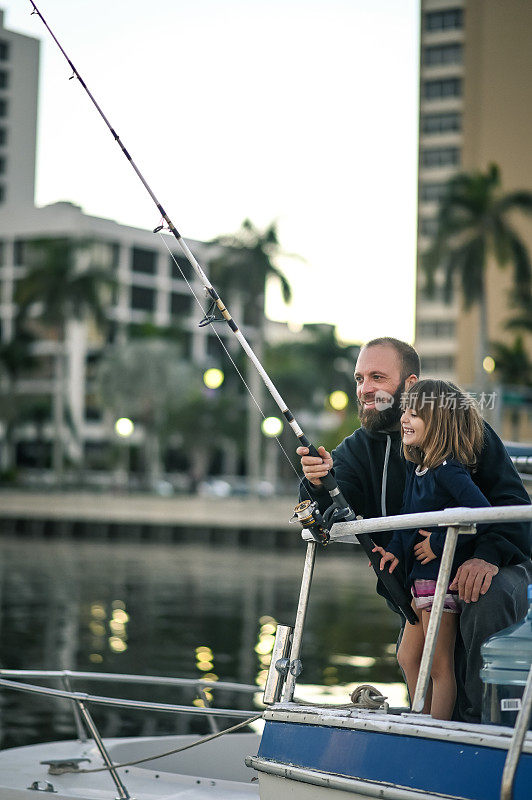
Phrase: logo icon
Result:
[383,400]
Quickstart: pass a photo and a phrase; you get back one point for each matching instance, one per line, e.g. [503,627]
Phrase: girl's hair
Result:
[453,425]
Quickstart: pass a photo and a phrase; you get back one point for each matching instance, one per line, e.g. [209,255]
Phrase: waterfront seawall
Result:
[190,511]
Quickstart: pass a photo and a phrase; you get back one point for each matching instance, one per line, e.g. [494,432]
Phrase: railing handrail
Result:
[158,680]
[122,703]
[347,531]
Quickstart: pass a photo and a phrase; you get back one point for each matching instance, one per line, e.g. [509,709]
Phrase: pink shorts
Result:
[423,592]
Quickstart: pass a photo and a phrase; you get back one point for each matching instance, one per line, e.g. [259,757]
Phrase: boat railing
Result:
[456,521]
[84,721]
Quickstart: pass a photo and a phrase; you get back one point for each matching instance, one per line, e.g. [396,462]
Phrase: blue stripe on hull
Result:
[429,765]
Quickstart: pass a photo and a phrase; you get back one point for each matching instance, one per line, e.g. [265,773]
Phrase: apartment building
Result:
[441,132]
[153,278]
[19,78]
[475,109]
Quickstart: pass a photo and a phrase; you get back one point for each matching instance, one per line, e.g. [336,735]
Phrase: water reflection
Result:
[178,610]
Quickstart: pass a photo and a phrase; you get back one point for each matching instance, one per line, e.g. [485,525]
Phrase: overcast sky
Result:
[298,111]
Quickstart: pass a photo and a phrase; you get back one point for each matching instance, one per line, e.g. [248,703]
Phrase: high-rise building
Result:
[475,110]
[19,79]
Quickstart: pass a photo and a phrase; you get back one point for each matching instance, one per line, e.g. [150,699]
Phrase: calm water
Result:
[147,608]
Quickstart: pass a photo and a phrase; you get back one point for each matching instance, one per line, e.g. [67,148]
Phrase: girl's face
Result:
[412,428]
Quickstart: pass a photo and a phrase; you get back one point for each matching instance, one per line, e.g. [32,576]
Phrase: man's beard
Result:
[374,420]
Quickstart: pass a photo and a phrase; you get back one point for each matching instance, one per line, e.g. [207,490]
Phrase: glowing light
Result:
[264,645]
[210,676]
[198,702]
[488,364]
[96,658]
[96,628]
[268,628]
[118,604]
[124,427]
[202,657]
[266,620]
[98,611]
[271,426]
[205,666]
[213,378]
[338,400]
[117,628]
[117,644]
[120,616]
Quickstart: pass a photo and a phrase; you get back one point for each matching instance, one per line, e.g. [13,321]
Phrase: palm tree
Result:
[65,285]
[514,370]
[148,381]
[15,358]
[242,264]
[473,225]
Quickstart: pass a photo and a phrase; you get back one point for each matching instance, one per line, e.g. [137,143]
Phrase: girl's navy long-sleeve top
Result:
[448,485]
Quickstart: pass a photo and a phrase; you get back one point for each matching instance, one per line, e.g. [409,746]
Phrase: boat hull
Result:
[305,754]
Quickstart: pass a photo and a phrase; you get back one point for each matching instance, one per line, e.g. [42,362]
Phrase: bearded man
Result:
[370,470]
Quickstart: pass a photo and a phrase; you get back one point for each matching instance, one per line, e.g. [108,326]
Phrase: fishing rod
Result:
[307,512]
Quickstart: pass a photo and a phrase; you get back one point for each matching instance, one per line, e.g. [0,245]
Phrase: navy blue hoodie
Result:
[449,485]
[370,469]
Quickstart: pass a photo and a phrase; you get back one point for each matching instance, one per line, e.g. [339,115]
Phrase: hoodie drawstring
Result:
[385,475]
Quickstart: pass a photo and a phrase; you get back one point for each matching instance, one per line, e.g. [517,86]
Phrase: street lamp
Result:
[488,364]
[271,427]
[124,427]
[213,378]
[338,400]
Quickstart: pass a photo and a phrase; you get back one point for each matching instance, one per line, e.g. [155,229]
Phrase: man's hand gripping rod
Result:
[319,525]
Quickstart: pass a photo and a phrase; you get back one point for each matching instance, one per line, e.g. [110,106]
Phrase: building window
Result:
[180,304]
[19,252]
[4,51]
[445,20]
[3,136]
[435,329]
[438,295]
[440,157]
[438,55]
[437,364]
[2,165]
[442,88]
[450,122]
[3,108]
[4,79]
[2,193]
[142,298]
[144,261]
[432,192]
[182,268]
[428,227]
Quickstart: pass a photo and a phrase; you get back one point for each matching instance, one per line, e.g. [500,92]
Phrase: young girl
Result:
[442,434]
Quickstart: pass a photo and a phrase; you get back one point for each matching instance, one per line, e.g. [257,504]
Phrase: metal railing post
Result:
[295,662]
[78,720]
[123,793]
[435,615]
[516,744]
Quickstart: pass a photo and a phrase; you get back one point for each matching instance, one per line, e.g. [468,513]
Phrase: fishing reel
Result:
[316,523]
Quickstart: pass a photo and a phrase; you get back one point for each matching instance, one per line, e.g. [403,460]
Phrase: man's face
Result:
[379,386]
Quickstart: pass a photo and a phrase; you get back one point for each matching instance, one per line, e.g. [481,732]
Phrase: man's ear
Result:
[410,381]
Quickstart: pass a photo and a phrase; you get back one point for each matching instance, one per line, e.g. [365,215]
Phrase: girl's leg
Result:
[442,672]
[409,656]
